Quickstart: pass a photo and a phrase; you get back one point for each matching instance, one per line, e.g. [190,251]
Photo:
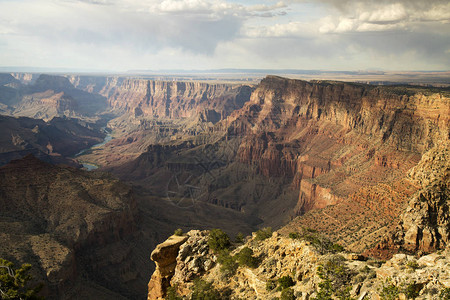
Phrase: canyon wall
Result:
[166,99]
[63,221]
[350,135]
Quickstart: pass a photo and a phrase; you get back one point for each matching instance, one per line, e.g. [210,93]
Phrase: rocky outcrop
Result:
[425,224]
[194,259]
[313,269]
[26,78]
[165,257]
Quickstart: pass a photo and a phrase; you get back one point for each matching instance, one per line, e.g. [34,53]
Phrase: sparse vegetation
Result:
[202,290]
[271,285]
[178,232]
[412,290]
[228,263]
[245,258]
[218,240]
[285,282]
[336,279]
[14,283]
[294,235]
[239,238]
[336,248]
[389,291]
[287,294]
[445,294]
[264,233]
[413,265]
[320,242]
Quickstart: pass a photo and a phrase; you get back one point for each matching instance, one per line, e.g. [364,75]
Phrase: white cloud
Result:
[136,34]
[291,29]
[386,14]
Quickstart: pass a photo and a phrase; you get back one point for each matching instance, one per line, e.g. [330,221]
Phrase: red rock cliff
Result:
[333,137]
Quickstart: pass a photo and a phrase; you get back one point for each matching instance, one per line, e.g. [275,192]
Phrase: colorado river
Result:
[90,166]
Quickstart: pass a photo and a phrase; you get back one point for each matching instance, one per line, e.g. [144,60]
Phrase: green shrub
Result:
[178,232]
[245,258]
[228,263]
[445,294]
[14,282]
[413,265]
[294,235]
[412,290]
[172,294]
[239,238]
[264,233]
[285,282]
[202,290]
[270,285]
[335,248]
[287,294]
[218,240]
[389,291]
[336,279]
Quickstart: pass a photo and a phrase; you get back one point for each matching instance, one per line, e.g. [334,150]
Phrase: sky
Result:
[121,35]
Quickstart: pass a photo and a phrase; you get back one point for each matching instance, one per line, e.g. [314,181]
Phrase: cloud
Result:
[367,16]
[126,34]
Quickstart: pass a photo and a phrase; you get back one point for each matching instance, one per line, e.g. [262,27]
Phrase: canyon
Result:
[364,165]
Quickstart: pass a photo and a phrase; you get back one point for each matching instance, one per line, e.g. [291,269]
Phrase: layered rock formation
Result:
[48,96]
[164,256]
[59,218]
[166,99]
[345,145]
[425,224]
[319,150]
[51,141]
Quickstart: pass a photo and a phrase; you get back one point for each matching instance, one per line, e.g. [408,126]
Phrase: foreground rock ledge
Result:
[165,257]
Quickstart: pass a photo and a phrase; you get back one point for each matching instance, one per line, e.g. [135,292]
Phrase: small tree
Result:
[285,282]
[202,290]
[178,232]
[239,238]
[245,258]
[218,240]
[14,282]
[264,233]
[228,264]
[287,294]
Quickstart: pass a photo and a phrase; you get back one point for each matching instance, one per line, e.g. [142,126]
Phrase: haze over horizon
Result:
[121,35]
